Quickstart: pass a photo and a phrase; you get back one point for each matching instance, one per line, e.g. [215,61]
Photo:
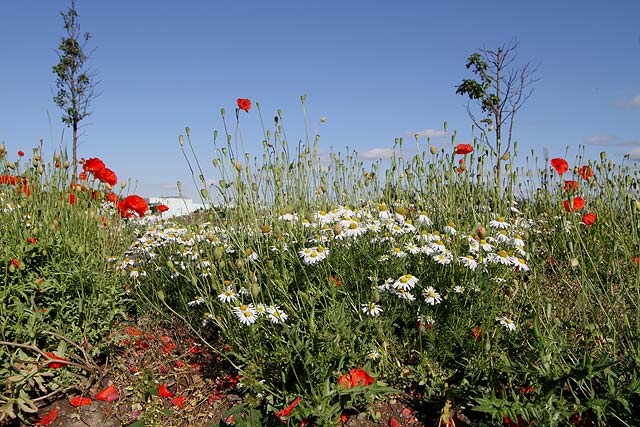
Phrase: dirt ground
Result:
[199,389]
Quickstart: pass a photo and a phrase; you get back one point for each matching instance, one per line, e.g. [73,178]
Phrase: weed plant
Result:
[57,300]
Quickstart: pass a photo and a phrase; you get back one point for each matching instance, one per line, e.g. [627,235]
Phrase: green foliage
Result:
[56,295]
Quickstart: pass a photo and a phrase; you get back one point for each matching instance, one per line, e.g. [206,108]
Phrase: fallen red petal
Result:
[80,401]
[45,420]
[109,394]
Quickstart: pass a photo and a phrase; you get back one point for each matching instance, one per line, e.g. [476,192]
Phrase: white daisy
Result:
[468,261]
[406,282]
[229,295]
[372,309]
[431,296]
[499,223]
[196,301]
[276,315]
[246,313]
[507,323]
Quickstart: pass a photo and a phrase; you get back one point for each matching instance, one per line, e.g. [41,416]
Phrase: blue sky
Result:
[376,70]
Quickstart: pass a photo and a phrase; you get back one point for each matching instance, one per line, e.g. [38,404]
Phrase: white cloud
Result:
[635,102]
[377,153]
[427,133]
[599,139]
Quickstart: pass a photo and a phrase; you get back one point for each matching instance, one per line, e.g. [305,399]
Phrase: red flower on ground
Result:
[20,153]
[244,104]
[107,176]
[178,401]
[560,165]
[284,412]
[571,185]
[164,392]
[586,173]
[463,149]
[170,346]
[47,419]
[589,218]
[109,394]
[578,203]
[130,330]
[80,401]
[334,280]
[55,365]
[477,333]
[394,423]
[32,240]
[93,165]
[356,377]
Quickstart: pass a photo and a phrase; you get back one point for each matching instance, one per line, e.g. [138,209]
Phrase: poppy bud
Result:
[239,263]
[433,149]
[323,119]
[337,229]
[66,164]
[160,295]
[170,265]
[181,140]
[265,229]
[2,148]
[204,193]
[637,205]
[187,130]
[238,166]
[218,252]
[255,290]
[482,232]
[40,169]
[505,156]
[56,157]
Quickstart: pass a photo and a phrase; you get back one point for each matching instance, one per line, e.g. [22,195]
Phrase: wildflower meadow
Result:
[321,286]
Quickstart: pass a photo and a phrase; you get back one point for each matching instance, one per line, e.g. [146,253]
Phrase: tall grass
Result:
[569,289]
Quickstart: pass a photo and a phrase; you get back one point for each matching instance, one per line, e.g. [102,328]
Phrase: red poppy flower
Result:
[20,153]
[109,394]
[32,240]
[178,401]
[47,419]
[477,333]
[112,198]
[72,199]
[244,104]
[394,423]
[571,185]
[589,218]
[578,203]
[585,172]
[82,176]
[8,179]
[136,204]
[164,392]
[463,149]
[283,413]
[55,365]
[80,401]
[560,165]
[93,165]
[162,208]
[355,378]
[106,175]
